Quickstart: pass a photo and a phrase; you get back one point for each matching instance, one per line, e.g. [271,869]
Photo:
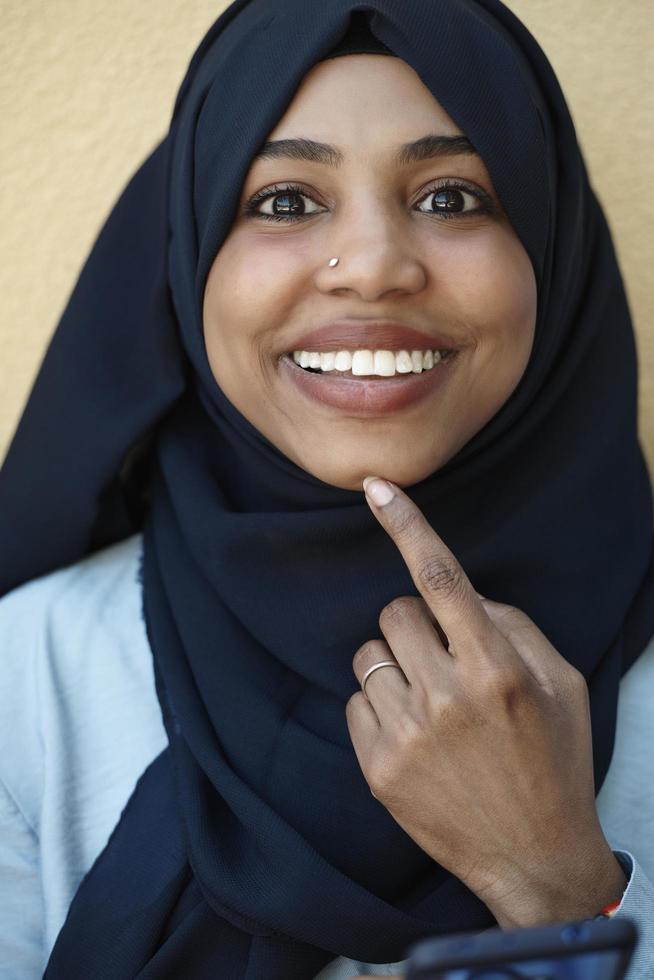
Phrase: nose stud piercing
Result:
[333,262]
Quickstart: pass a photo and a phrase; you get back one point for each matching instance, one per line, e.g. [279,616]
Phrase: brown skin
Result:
[484,758]
[494,725]
[467,277]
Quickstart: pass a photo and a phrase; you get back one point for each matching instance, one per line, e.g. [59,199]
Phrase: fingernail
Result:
[379,491]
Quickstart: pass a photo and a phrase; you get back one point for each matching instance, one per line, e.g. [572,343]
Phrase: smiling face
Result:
[423,245]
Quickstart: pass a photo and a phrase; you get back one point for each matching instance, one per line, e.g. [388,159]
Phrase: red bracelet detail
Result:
[611,908]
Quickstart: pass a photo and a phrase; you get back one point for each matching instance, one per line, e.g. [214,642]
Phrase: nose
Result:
[372,262]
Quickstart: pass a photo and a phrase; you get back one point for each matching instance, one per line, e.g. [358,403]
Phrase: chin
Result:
[404,473]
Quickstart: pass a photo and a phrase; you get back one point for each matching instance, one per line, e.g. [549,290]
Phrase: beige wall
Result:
[86,89]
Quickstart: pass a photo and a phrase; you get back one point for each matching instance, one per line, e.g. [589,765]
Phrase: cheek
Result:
[251,285]
[491,288]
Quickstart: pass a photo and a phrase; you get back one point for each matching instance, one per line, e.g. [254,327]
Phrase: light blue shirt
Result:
[80,721]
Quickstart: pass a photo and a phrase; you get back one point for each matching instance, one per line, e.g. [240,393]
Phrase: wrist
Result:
[559,892]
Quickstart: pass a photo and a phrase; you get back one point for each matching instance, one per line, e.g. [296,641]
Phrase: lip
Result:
[349,334]
[365,397]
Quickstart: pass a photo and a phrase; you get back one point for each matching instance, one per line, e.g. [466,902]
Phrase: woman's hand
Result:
[481,752]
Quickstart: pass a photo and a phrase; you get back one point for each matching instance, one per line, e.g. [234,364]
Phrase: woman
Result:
[333,185]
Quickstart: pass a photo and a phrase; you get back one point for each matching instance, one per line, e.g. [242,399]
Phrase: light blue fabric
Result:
[80,721]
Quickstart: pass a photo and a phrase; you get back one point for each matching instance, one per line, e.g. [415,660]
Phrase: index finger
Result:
[435,571]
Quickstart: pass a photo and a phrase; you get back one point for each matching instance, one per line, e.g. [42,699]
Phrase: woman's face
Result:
[423,245]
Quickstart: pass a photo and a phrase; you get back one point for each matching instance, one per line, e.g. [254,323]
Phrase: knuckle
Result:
[441,576]
[451,713]
[366,652]
[386,769]
[515,622]
[408,731]
[577,682]
[397,611]
[353,703]
[510,612]
[381,775]
[454,716]
[506,686]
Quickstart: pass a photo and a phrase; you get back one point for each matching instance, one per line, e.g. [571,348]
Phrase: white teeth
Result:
[343,361]
[403,363]
[363,362]
[382,363]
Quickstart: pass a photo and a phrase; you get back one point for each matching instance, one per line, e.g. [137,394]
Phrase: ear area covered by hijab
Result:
[252,847]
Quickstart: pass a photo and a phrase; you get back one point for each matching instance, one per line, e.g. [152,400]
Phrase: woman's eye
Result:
[288,203]
[283,204]
[452,200]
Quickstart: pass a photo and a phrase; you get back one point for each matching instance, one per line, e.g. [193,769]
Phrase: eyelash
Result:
[488,207]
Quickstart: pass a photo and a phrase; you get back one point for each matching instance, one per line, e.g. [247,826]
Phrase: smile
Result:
[379,363]
[368,382]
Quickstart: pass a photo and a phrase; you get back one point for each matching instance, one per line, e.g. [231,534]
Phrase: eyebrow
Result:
[426,148]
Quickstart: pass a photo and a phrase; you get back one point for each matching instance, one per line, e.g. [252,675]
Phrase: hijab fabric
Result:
[252,846]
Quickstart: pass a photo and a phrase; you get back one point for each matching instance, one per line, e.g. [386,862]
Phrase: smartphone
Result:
[592,949]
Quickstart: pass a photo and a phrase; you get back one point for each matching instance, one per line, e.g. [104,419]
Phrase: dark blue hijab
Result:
[252,847]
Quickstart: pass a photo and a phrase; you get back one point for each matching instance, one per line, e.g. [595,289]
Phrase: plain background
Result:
[87,89]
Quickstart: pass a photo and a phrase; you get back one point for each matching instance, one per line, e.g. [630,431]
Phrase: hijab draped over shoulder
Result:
[252,846]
